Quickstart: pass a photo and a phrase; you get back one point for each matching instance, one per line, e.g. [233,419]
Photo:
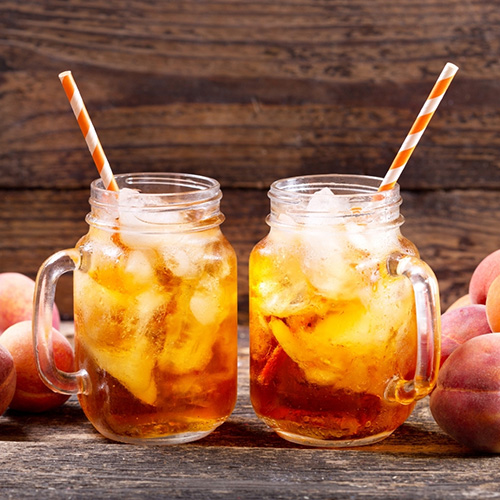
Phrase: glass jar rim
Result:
[156,202]
[355,197]
[159,188]
[340,184]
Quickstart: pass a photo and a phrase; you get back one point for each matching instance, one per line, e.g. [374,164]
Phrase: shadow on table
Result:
[418,437]
[410,440]
[25,426]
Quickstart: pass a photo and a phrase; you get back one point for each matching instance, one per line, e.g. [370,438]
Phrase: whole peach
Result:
[461,324]
[464,300]
[493,305]
[16,300]
[7,379]
[466,400]
[31,392]
[482,277]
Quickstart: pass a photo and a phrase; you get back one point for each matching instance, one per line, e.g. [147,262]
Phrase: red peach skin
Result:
[466,400]
[16,300]
[482,277]
[31,393]
[493,305]
[460,302]
[462,324]
[7,379]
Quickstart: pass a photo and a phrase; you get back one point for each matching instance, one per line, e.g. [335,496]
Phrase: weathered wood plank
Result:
[453,230]
[248,146]
[248,92]
[58,454]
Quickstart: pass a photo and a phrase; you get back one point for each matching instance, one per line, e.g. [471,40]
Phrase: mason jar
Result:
[155,311]
[344,316]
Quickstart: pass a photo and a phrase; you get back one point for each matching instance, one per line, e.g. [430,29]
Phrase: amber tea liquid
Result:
[331,328]
[155,310]
[157,340]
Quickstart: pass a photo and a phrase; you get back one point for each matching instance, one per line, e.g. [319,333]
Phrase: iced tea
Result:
[331,328]
[157,340]
[155,306]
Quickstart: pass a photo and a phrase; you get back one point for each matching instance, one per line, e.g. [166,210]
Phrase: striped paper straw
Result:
[88,130]
[419,126]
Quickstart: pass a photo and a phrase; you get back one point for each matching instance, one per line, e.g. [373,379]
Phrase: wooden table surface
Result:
[58,454]
[247,92]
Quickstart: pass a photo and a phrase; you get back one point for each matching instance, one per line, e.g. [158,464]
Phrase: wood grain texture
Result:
[248,91]
[58,454]
[453,230]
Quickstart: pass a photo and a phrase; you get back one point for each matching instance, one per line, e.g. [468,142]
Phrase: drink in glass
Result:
[155,309]
[344,316]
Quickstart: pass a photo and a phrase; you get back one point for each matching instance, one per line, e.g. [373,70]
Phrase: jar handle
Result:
[50,271]
[425,289]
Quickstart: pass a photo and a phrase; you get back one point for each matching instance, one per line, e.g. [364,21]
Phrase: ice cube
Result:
[183,260]
[286,293]
[138,266]
[186,254]
[324,203]
[210,302]
[357,235]
[159,217]
[104,250]
[129,201]
[137,209]
[328,272]
[283,298]
[286,219]
[147,304]
[377,242]
[328,261]
[326,257]
[143,224]
[280,285]
[205,307]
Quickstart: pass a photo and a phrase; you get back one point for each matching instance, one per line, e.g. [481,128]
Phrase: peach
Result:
[31,392]
[7,379]
[493,305]
[460,302]
[482,277]
[461,324]
[466,400]
[16,300]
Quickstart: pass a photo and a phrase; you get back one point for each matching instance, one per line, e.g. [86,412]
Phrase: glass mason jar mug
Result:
[344,316]
[155,310]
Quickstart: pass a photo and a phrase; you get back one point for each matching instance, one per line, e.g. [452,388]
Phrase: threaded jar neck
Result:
[332,199]
[156,203]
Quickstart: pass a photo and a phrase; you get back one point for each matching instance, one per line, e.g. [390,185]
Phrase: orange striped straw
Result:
[88,130]
[419,126]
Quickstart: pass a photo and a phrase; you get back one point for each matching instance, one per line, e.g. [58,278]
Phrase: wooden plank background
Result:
[248,92]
